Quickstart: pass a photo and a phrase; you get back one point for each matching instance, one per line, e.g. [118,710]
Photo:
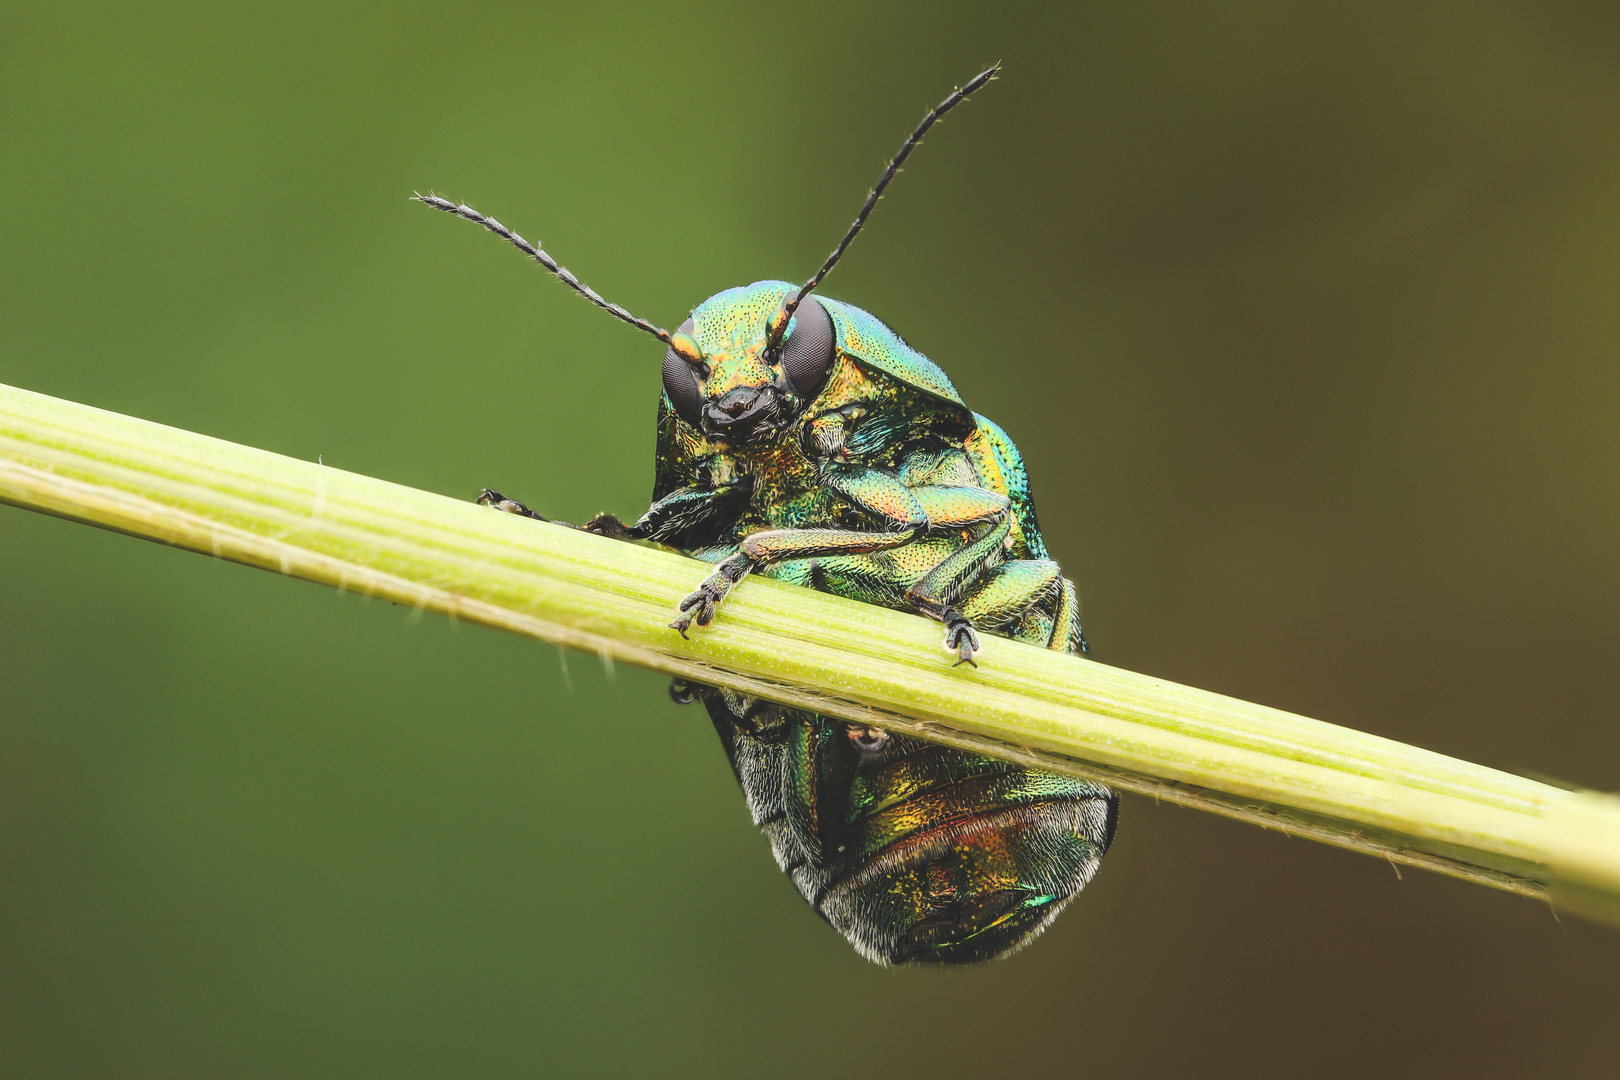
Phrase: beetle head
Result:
[724,377]
[749,359]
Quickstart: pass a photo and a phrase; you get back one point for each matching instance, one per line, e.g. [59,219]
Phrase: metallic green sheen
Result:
[883,487]
[729,319]
[870,340]
[1015,482]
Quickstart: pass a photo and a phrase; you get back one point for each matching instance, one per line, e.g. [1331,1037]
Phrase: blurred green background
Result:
[1304,316]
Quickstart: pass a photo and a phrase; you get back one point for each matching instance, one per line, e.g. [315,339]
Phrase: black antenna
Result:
[538,254]
[877,192]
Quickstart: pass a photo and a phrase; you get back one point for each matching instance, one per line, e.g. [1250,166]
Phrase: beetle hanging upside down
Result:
[801,438]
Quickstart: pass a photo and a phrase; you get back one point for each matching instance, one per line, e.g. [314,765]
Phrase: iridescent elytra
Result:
[801,438]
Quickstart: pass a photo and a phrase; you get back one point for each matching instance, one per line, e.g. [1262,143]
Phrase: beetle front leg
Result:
[669,516]
[490,497]
[775,545]
[611,526]
[672,515]
[700,606]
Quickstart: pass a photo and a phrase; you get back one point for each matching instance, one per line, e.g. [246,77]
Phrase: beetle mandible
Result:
[801,438]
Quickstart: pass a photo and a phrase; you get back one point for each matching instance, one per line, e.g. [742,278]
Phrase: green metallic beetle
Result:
[801,438]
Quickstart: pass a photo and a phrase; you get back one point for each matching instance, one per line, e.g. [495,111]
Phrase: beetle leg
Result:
[664,519]
[493,498]
[601,524]
[925,506]
[879,495]
[670,516]
[1066,633]
[775,545]
[938,591]
[700,606]
[611,526]
[961,638]
[1005,592]
[960,507]
[935,507]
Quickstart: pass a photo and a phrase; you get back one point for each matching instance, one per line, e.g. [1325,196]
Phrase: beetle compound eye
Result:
[807,354]
[680,383]
[868,740]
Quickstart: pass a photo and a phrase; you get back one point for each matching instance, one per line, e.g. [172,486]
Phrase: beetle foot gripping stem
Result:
[700,606]
[490,497]
[609,525]
[961,639]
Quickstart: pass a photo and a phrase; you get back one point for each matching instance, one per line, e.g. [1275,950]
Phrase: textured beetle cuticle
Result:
[799,437]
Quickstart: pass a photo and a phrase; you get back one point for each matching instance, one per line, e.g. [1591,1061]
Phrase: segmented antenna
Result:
[876,193]
[538,254]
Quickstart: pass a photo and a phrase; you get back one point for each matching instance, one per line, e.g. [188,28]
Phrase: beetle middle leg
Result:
[864,567]
[937,593]
[1007,594]
[936,507]
[1007,591]
[1067,636]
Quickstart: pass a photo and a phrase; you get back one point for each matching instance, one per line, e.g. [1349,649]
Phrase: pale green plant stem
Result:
[846,659]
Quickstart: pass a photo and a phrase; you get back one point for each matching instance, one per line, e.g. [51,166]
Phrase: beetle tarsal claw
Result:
[699,607]
[701,604]
[962,642]
[492,498]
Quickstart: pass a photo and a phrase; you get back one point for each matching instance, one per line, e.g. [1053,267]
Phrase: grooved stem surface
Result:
[803,648]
